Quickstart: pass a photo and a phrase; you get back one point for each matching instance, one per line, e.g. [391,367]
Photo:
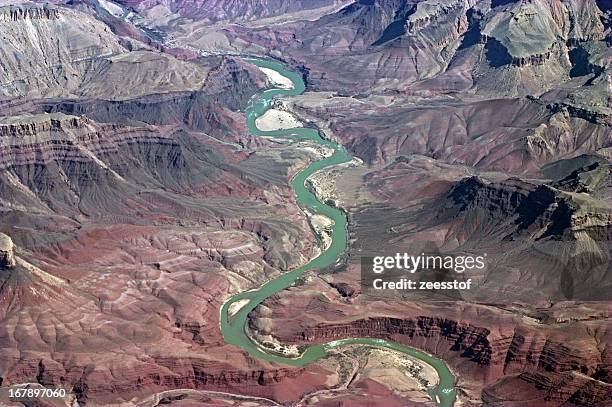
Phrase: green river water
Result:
[233,327]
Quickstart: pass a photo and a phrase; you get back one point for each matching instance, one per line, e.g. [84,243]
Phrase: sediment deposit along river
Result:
[233,324]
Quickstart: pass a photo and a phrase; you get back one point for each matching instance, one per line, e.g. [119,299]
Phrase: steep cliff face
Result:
[165,373]
[501,86]
[496,48]
[54,66]
[528,31]
[89,60]
[24,12]
[540,210]
[430,13]
[535,228]
[105,213]
[90,159]
[368,43]
[471,342]
[209,109]
[530,331]
[497,355]
[103,148]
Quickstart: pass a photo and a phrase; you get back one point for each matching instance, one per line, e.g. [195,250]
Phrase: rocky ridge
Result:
[24,12]
[138,203]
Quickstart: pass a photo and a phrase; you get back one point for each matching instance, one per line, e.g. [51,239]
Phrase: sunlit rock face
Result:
[7,257]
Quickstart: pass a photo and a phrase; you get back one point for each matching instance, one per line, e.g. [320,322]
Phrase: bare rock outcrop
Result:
[29,12]
[505,356]
[7,256]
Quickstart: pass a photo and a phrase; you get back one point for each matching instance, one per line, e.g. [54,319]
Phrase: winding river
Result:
[233,325]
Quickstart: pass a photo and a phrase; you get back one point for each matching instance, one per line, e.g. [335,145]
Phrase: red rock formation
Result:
[489,348]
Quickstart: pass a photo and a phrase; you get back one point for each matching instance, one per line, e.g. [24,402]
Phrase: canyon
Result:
[135,200]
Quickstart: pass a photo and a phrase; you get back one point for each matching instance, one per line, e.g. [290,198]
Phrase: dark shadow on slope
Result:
[606,7]
[606,17]
[497,3]
[532,207]
[398,27]
[497,55]
[581,66]
[579,59]
[354,7]
[394,30]
[563,169]
[472,35]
